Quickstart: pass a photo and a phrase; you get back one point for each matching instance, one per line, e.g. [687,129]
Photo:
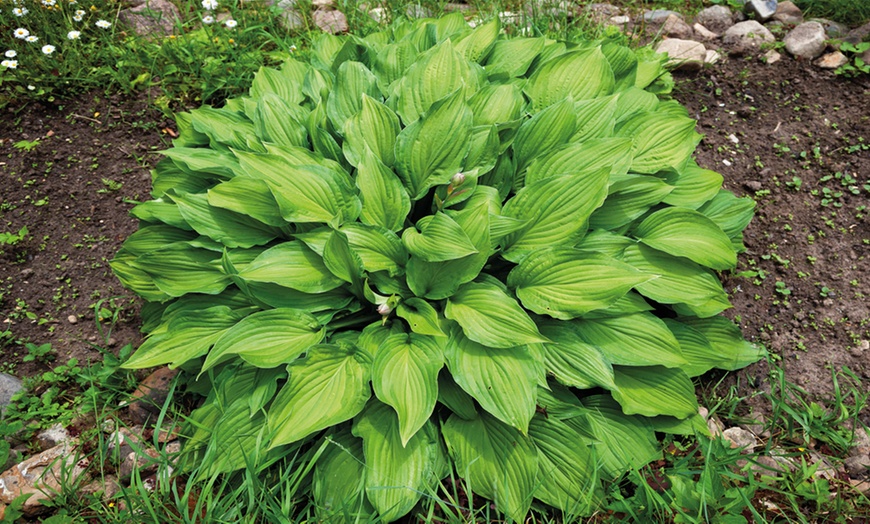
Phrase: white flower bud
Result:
[457,179]
[385,309]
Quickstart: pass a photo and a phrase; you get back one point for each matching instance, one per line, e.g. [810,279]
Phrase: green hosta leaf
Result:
[204,161]
[279,122]
[378,248]
[397,472]
[491,317]
[227,227]
[385,201]
[440,73]
[160,211]
[731,214]
[292,265]
[330,385]
[623,62]
[154,237]
[224,127]
[513,57]
[392,61]
[638,339]
[268,338]
[343,262]
[249,197]
[559,78]
[431,150]
[315,192]
[421,317]
[654,390]
[629,197]
[502,380]
[571,360]
[440,238]
[476,45]
[679,281]
[582,159]
[277,296]
[623,442]
[692,186]
[565,283]
[634,100]
[594,118]
[177,270]
[352,82]
[236,439]
[696,349]
[544,132]
[374,127]
[187,336]
[727,341]
[452,396]
[284,82]
[686,233]
[405,376]
[567,473]
[661,140]
[555,209]
[496,104]
[339,478]
[496,460]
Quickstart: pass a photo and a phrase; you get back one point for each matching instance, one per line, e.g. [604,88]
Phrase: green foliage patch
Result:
[436,249]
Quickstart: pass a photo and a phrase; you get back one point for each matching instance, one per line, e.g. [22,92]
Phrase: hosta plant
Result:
[438,250]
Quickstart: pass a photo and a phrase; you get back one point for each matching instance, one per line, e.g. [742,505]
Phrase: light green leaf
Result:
[247,196]
[638,339]
[727,341]
[623,61]
[224,127]
[374,127]
[502,380]
[629,197]
[343,262]
[378,248]
[353,81]
[221,225]
[696,349]
[292,265]
[204,161]
[178,269]
[397,473]
[654,390]
[268,338]
[475,46]
[405,376]
[581,74]
[731,214]
[330,385]
[582,158]
[512,57]
[692,186]
[686,233]
[452,396]
[661,140]
[555,209]
[421,317]
[544,132]
[491,317]
[496,460]
[154,237]
[339,479]
[496,104]
[385,201]
[571,360]
[431,150]
[440,238]
[284,82]
[565,282]
[623,442]
[279,122]
[594,118]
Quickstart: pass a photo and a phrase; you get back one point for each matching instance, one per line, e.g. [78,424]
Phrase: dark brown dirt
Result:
[800,289]
[69,173]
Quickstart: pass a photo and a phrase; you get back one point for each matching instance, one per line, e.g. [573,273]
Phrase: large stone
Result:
[53,436]
[418,11]
[42,476]
[747,36]
[740,438]
[675,27]
[683,54]
[788,13]
[379,15]
[832,29]
[291,20]
[717,18]
[330,21]
[858,466]
[154,17]
[601,13]
[703,34]
[858,34]
[763,9]
[806,40]
[658,16]
[832,60]
[9,386]
[149,397]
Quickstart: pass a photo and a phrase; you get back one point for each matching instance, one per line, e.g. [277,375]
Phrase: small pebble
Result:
[72,319]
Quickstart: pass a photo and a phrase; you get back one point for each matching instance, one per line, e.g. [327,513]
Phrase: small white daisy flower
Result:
[231,23]
[31,38]
[11,53]
[73,35]
[102,24]
[292,48]
[9,64]
[31,87]
[20,11]
[208,19]
[80,12]
[48,49]
[21,33]
[77,18]
[210,5]
[49,3]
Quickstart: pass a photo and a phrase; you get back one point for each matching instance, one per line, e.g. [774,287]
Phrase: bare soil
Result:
[795,138]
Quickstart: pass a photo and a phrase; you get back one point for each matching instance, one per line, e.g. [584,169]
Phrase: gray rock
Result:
[658,16]
[620,21]
[53,436]
[418,11]
[606,10]
[42,476]
[832,60]
[703,34]
[319,4]
[740,438]
[717,18]
[857,467]
[9,386]
[675,27]
[712,56]
[763,9]
[771,57]
[857,35]
[746,36]
[806,40]
[833,29]
[379,14]
[330,21]
[291,20]
[153,17]
[788,13]
[685,55]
